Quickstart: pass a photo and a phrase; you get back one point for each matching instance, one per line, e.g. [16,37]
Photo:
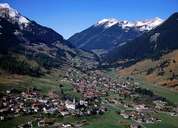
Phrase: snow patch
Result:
[4,5]
[154,37]
[16,32]
[122,44]
[107,22]
[126,24]
[14,14]
[149,24]
[23,20]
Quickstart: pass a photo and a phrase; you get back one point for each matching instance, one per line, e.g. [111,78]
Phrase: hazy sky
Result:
[70,16]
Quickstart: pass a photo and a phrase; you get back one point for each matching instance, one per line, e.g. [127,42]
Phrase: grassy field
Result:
[167,122]
[108,120]
[16,121]
[44,83]
[170,94]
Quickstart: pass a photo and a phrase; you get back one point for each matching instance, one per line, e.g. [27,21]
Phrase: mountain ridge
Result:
[36,43]
[151,41]
[108,33]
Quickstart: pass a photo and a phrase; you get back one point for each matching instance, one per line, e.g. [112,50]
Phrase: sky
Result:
[68,17]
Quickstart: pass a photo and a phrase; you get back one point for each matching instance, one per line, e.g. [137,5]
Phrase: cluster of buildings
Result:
[92,83]
[96,89]
[141,104]
[140,116]
[14,103]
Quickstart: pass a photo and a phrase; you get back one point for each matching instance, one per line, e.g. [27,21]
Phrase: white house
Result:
[70,105]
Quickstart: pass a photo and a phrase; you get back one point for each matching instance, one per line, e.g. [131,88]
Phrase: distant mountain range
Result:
[152,44]
[109,33]
[24,41]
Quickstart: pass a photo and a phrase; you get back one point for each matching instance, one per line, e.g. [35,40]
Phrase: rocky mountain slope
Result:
[108,33]
[26,46]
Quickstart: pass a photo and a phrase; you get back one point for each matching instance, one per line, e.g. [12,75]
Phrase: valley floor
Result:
[121,110]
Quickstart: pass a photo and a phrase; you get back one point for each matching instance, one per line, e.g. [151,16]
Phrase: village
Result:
[98,92]
[139,104]
[14,103]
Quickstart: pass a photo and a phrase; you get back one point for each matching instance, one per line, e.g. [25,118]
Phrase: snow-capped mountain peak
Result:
[5,5]
[148,24]
[144,25]
[7,10]
[107,22]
